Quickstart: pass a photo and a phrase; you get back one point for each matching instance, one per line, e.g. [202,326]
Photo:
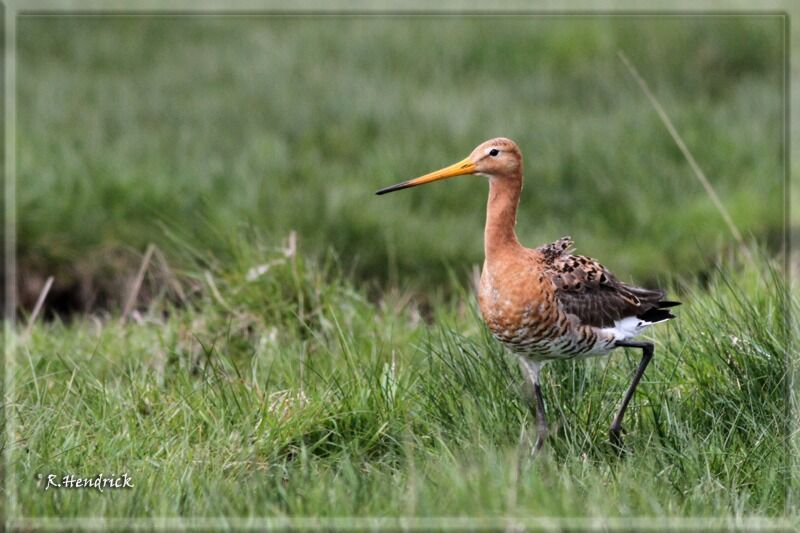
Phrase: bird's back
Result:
[548,303]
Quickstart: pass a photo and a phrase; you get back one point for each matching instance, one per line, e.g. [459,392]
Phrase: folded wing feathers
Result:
[587,290]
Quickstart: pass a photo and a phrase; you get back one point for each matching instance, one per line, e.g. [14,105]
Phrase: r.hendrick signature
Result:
[99,482]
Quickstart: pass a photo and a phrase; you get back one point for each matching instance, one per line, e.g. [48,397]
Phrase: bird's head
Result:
[495,158]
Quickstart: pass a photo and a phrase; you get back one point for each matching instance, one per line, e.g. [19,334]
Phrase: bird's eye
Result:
[493,152]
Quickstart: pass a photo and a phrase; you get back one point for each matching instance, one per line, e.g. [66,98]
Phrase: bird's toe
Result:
[615,437]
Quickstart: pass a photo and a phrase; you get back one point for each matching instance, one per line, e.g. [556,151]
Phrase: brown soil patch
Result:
[100,281]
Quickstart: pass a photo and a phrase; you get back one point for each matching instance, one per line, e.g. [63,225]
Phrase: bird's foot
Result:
[541,437]
[615,438]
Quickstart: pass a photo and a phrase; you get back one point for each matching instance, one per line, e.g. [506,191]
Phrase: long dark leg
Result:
[535,400]
[615,433]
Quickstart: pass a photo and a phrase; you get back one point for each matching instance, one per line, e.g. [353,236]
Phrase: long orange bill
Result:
[459,169]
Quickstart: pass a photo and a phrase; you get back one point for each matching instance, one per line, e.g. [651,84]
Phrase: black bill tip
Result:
[399,186]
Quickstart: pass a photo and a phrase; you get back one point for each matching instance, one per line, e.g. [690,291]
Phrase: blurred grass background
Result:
[204,125]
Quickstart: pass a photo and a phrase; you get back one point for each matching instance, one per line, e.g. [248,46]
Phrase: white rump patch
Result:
[629,327]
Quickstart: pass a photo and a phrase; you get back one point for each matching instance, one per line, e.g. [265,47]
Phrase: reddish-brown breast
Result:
[516,298]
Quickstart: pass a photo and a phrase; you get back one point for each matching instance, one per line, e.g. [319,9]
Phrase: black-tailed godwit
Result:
[546,304]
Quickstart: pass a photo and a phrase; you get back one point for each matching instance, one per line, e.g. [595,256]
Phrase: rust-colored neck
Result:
[501,215]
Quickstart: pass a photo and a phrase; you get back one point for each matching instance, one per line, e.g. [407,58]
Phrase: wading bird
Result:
[546,304]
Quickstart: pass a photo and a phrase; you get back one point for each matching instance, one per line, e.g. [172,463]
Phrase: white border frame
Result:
[12,10]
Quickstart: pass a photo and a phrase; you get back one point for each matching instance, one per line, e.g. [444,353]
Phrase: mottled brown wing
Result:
[585,288]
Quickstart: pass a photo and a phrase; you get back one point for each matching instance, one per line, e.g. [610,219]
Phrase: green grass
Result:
[126,124]
[353,377]
[233,407]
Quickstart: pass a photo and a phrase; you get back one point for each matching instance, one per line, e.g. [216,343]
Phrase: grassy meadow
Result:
[300,347]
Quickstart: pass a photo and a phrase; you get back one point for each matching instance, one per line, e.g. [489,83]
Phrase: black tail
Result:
[659,313]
